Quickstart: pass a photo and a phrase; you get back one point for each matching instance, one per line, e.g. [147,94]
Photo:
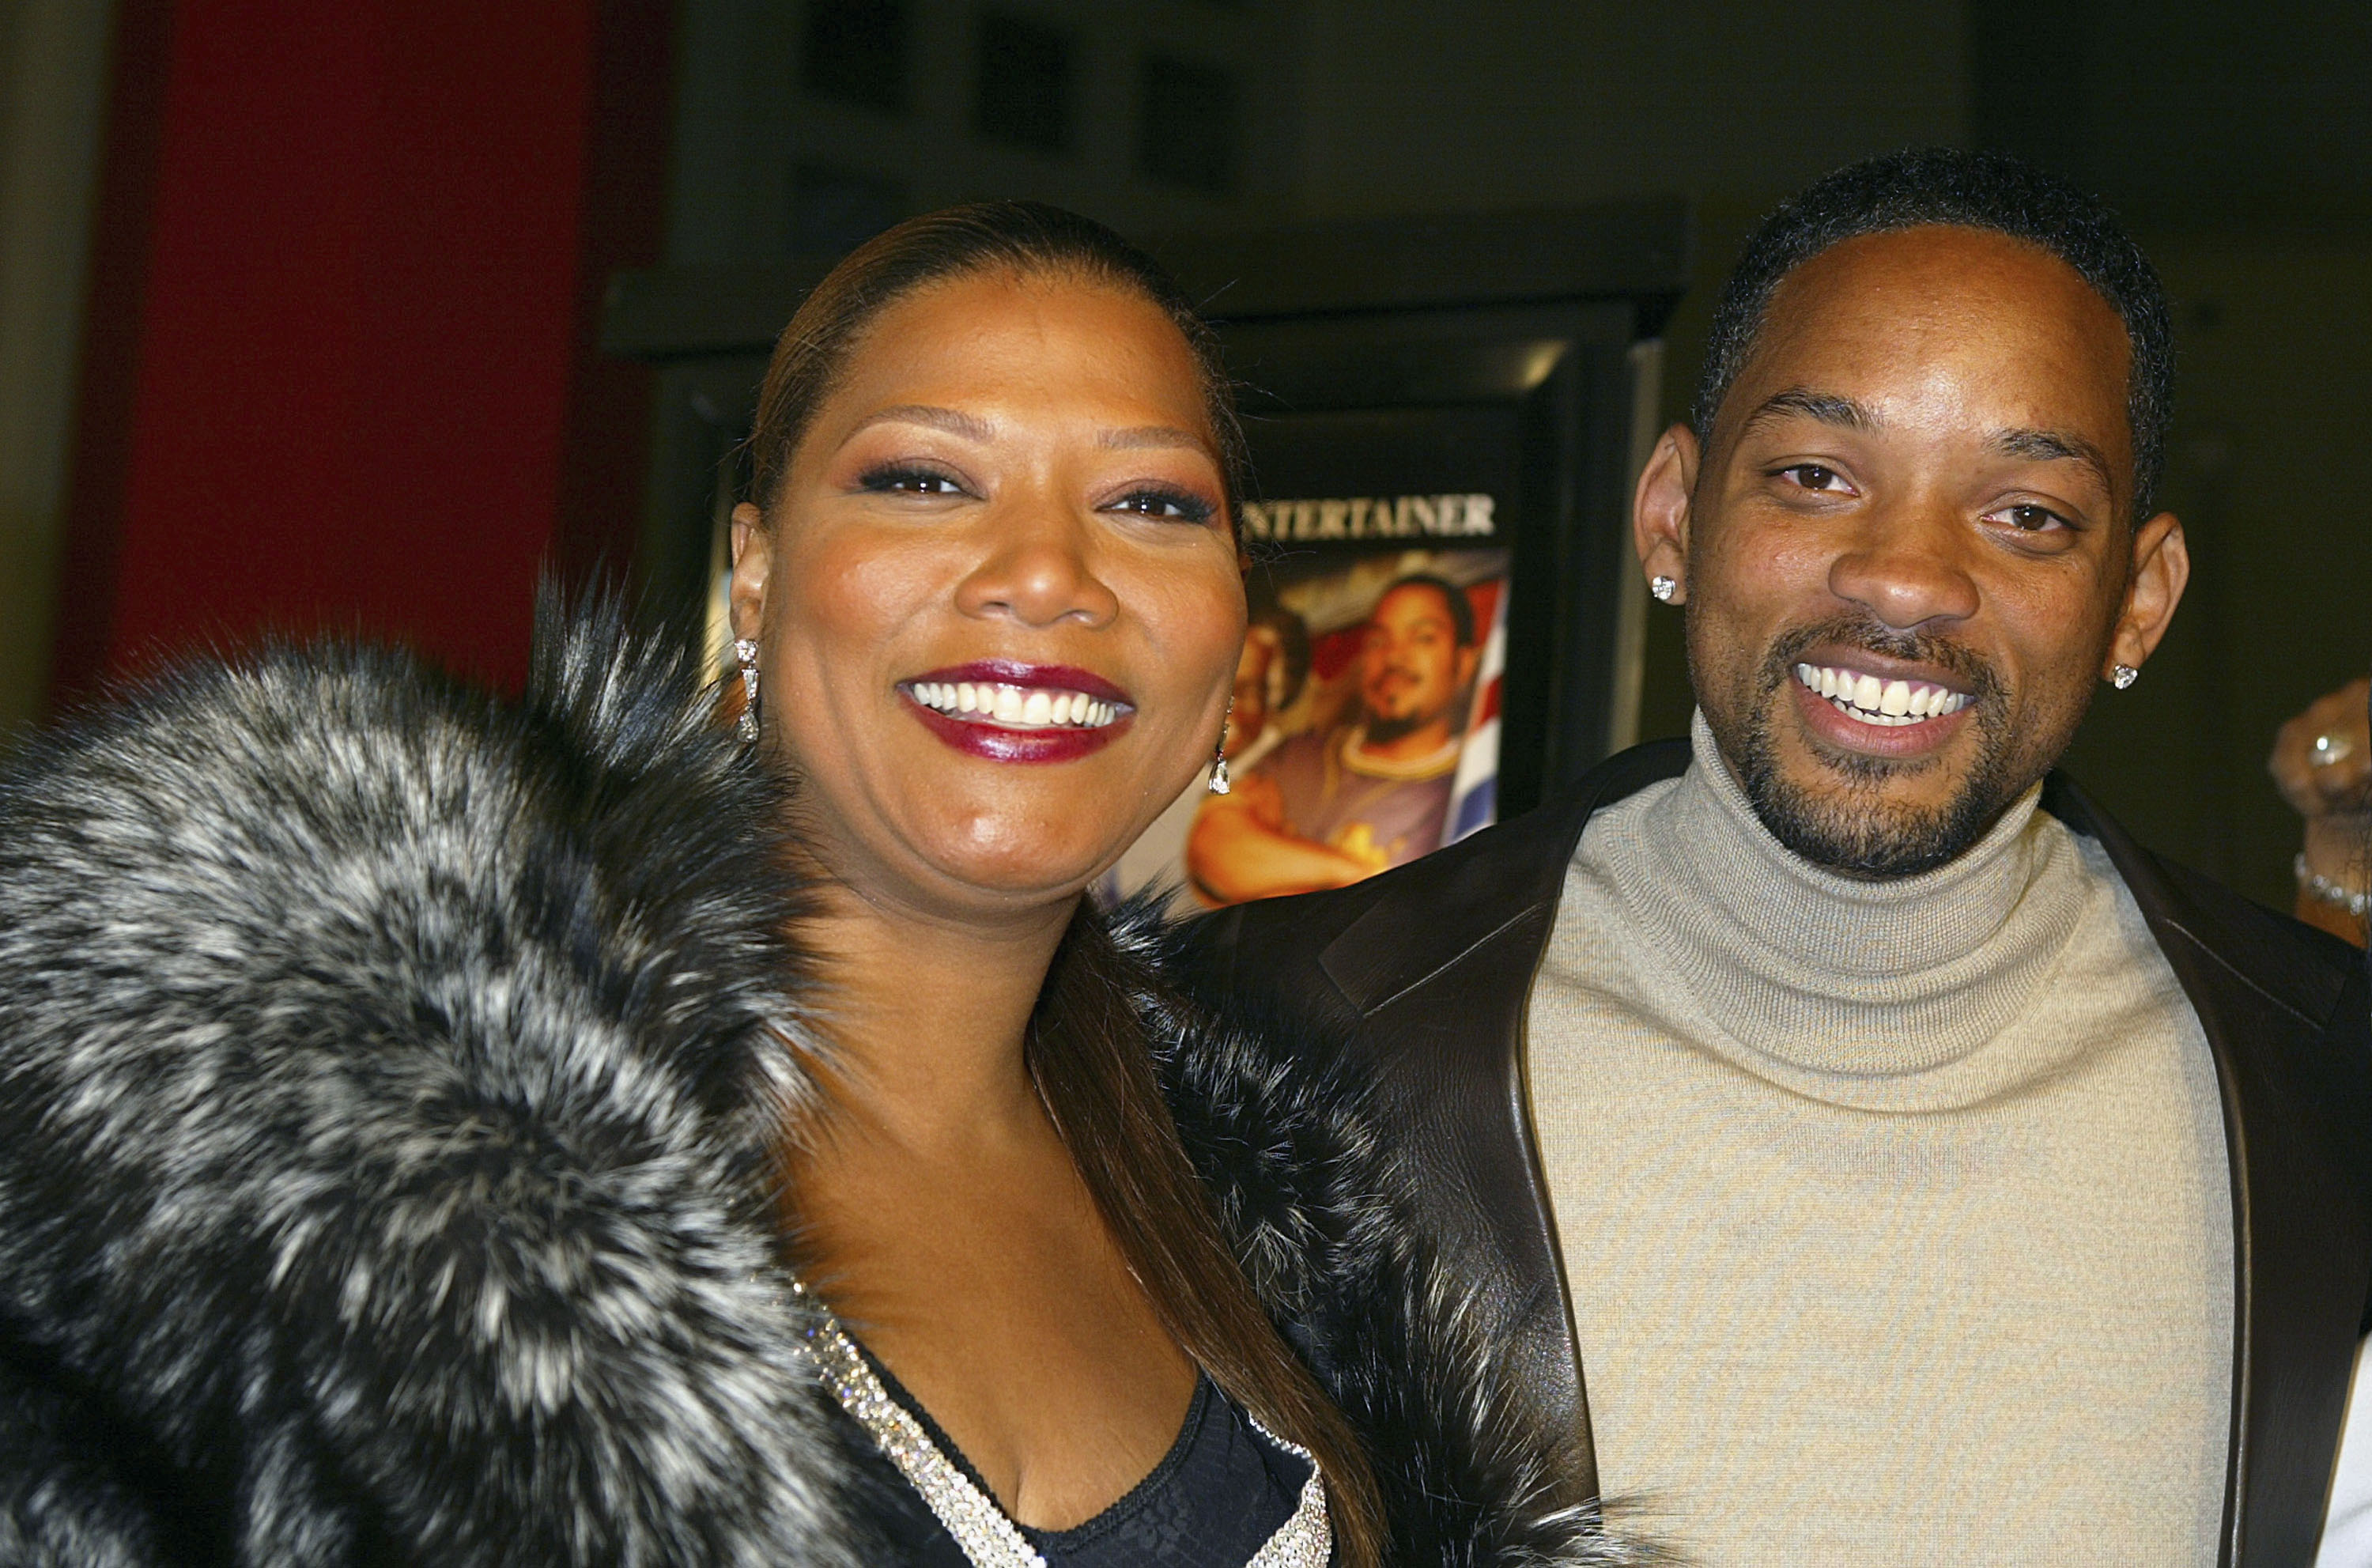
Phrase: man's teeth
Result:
[1872,701]
[1016,707]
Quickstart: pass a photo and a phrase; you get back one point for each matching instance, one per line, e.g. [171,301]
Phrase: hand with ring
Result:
[2323,764]
[2322,759]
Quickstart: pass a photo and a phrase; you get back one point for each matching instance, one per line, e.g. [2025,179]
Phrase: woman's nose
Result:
[1038,567]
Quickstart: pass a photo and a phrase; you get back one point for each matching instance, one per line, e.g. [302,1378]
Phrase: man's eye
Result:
[2030,519]
[1174,505]
[1813,476]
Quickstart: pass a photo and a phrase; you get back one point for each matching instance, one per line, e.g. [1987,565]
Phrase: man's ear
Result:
[1469,660]
[746,591]
[2161,566]
[1659,510]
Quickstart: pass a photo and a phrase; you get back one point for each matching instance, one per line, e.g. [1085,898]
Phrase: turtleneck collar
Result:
[1836,980]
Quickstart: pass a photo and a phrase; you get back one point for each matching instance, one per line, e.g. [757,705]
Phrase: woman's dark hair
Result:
[1088,1048]
[1960,190]
[1020,239]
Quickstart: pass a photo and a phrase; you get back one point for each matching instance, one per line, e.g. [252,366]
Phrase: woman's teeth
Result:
[1015,707]
[1872,701]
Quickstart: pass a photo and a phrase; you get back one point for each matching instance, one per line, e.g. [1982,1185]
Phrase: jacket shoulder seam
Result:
[1450,963]
[2202,946]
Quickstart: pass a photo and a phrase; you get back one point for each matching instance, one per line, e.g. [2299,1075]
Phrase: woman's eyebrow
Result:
[952,421]
[1143,435]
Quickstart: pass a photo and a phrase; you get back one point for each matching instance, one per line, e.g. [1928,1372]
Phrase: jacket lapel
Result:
[1438,969]
[2293,1055]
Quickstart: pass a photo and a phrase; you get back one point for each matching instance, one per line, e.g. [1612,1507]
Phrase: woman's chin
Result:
[1020,877]
[990,858]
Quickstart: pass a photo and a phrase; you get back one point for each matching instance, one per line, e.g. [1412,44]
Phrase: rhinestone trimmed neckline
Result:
[987,1535]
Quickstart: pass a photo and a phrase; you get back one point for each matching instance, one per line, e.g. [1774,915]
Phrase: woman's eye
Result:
[1170,504]
[902,481]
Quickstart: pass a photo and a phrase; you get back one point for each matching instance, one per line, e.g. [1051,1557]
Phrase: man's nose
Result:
[1037,566]
[1907,566]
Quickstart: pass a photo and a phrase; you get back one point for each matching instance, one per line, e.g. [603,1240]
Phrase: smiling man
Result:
[1911,1168]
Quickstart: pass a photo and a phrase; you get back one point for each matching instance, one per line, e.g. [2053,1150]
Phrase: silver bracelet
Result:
[2324,890]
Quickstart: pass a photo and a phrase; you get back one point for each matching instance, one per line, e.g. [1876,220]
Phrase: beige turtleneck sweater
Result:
[1896,1214]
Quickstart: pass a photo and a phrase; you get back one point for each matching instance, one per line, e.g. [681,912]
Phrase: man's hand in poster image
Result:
[1331,805]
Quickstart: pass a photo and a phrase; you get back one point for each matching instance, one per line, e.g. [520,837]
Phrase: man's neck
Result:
[1409,745]
[1846,978]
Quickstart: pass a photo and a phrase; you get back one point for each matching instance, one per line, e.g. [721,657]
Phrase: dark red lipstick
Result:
[982,735]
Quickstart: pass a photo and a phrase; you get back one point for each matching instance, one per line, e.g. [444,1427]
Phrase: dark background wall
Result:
[297,301]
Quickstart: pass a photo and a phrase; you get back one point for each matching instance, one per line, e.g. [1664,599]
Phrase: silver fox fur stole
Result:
[389,1082]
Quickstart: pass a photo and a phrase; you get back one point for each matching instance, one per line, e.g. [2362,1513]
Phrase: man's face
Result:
[1410,665]
[1909,556]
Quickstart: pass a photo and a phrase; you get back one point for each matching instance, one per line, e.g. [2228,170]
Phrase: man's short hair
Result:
[1453,599]
[1964,189]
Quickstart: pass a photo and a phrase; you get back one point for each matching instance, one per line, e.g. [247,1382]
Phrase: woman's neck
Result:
[928,1018]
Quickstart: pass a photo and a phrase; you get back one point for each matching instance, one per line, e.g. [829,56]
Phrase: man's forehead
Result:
[1413,601]
[1884,321]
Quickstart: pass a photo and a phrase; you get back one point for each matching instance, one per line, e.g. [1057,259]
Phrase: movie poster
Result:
[1366,727]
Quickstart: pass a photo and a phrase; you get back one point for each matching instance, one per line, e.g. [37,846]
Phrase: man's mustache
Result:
[1870,635]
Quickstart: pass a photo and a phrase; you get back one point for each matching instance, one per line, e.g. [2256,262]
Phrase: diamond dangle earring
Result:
[1219,782]
[745,654]
[2124,675]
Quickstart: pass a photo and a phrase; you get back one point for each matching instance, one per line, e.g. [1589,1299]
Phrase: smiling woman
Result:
[990,580]
[439,1128]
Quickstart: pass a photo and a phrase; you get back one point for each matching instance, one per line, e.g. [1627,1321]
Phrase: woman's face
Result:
[997,600]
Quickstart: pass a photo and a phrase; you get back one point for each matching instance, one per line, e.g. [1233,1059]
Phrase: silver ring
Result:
[2329,749]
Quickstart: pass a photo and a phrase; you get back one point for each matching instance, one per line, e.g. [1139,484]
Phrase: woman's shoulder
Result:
[389,1071]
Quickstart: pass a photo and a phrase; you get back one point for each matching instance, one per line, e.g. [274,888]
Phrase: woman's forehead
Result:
[995,349]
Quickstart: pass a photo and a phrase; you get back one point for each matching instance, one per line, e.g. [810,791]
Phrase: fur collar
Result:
[388,1077]
[1280,1126]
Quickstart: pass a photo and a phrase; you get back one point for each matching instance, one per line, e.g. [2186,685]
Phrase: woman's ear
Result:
[752,554]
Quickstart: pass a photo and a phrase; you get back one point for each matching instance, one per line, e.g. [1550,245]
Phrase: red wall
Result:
[343,268]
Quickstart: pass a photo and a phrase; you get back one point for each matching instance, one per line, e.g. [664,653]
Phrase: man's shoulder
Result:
[2286,962]
[1435,905]
[2305,967]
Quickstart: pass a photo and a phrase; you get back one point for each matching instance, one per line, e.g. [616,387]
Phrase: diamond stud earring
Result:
[2124,675]
[1663,588]
[745,654]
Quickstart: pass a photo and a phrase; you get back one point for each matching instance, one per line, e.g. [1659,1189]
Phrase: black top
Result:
[1213,1502]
